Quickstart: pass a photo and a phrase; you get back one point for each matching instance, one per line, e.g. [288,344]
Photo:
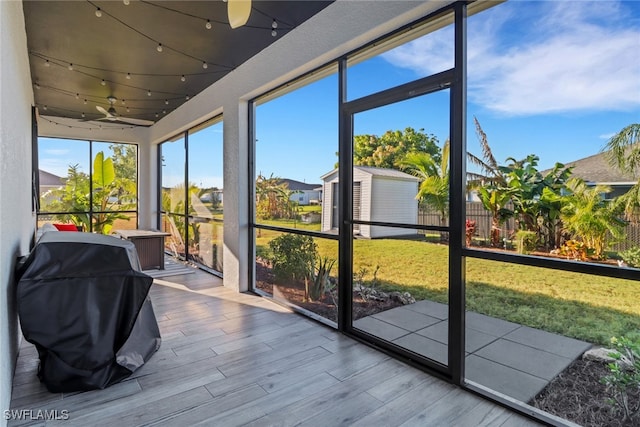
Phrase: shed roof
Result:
[379,172]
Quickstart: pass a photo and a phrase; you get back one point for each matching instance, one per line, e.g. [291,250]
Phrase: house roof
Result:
[379,172]
[49,179]
[294,185]
[596,169]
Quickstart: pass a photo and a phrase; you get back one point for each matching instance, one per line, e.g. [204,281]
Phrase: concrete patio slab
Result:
[512,359]
[512,382]
[424,346]
[524,358]
[430,308]
[552,343]
[475,340]
[379,328]
[406,319]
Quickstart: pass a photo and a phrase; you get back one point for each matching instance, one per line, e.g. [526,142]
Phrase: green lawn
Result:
[587,307]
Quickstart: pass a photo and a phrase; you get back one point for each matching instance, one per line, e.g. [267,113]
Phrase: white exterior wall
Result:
[393,201]
[327,200]
[17,223]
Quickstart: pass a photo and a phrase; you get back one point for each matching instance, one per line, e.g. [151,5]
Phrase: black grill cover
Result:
[83,302]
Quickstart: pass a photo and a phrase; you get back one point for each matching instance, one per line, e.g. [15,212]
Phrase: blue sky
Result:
[551,78]
[555,79]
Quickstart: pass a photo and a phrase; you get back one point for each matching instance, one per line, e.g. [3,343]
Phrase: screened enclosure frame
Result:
[454,79]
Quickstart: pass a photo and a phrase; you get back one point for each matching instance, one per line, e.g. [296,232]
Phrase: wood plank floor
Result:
[231,359]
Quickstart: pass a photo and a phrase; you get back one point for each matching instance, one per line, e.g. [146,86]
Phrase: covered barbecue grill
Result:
[83,302]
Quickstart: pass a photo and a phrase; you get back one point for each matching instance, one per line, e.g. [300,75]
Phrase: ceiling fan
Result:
[112,116]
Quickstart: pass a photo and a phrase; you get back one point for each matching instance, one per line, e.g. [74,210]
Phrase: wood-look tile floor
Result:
[231,359]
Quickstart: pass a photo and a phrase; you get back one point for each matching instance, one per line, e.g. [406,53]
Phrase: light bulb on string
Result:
[205,65]
[148,93]
[274,33]
[166,102]
[98,13]
[126,2]
[45,108]
[159,48]
[70,67]
[124,102]
[128,76]
[82,115]
[156,115]
[186,97]
[164,111]
[103,83]
[183,78]
[47,63]
[128,109]
[77,96]
[85,101]
[274,24]
[208,25]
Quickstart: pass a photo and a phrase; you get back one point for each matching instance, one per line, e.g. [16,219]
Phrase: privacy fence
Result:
[476,212]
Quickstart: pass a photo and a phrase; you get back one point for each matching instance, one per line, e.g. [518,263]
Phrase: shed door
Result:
[357,203]
[334,205]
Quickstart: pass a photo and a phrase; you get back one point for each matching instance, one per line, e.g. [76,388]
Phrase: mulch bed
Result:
[578,395]
[294,294]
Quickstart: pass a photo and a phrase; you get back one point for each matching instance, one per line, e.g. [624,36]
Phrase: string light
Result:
[159,48]
[208,25]
[204,65]
[164,111]
[183,78]
[124,102]
[274,24]
[186,97]
[77,96]
[45,108]
[82,115]
[85,102]
[103,83]
[128,76]
[70,67]
[126,2]
[46,63]
[149,93]
[166,102]
[98,13]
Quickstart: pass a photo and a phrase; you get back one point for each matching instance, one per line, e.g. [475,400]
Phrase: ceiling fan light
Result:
[238,12]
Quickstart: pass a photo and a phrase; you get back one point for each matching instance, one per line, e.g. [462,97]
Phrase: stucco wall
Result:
[17,224]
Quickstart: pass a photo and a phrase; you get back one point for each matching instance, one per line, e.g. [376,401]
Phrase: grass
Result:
[586,307]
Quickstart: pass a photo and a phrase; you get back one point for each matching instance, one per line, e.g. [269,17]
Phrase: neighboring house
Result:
[304,194]
[596,170]
[48,182]
[379,195]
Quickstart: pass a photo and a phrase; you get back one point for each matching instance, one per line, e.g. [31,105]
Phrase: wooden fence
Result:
[476,212]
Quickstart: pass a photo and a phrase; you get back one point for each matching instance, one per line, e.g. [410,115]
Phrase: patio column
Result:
[236,196]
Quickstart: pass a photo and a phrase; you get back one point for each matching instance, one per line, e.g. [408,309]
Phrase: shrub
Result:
[624,377]
[470,231]
[631,256]
[318,282]
[292,256]
[526,241]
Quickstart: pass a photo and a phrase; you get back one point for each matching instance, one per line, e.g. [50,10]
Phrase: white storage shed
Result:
[380,195]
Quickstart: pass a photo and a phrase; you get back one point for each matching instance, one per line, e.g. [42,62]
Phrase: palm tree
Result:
[491,185]
[624,153]
[434,179]
[590,218]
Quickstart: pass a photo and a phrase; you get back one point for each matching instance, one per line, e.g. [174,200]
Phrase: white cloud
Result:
[570,56]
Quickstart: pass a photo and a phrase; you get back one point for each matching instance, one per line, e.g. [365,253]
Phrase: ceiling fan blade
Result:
[238,12]
[103,111]
[137,122]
